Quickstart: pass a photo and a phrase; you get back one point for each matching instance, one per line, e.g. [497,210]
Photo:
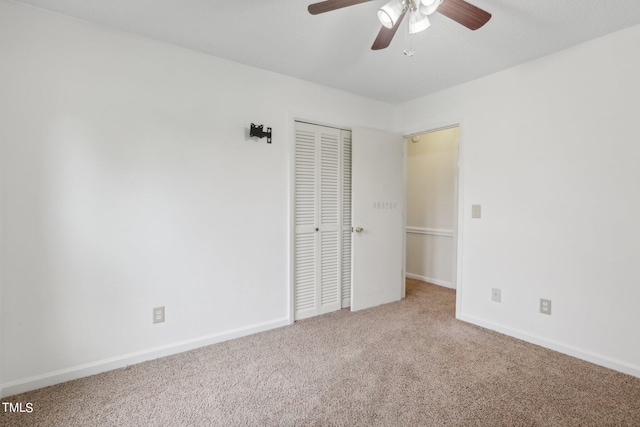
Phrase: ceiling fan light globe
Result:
[418,22]
[389,14]
[385,19]
[427,7]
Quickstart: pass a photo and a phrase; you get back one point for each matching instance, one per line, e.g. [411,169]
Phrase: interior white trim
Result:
[291,229]
[430,231]
[579,353]
[403,290]
[459,208]
[87,369]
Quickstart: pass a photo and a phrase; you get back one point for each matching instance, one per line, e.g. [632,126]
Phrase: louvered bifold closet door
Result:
[318,215]
[330,220]
[346,219]
[305,217]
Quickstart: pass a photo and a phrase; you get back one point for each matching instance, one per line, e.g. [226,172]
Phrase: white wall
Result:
[431,201]
[550,149]
[129,182]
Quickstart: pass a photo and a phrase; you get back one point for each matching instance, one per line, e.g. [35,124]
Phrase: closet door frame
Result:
[342,225]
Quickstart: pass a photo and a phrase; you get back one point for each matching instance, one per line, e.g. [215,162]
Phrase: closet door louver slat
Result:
[305,192]
[330,298]
[305,273]
[305,217]
[346,219]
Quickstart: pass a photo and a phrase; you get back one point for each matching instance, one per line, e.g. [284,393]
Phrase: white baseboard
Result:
[431,280]
[85,370]
[598,359]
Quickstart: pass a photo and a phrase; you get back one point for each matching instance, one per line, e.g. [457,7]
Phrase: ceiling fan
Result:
[392,13]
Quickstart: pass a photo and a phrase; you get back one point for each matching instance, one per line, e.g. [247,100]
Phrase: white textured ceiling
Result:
[333,49]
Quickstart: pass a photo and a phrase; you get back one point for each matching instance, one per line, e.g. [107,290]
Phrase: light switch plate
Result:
[476,211]
[496,295]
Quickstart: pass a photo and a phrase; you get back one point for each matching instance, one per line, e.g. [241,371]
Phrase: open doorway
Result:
[432,214]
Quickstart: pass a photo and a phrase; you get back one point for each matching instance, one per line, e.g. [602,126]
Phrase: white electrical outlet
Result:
[545,306]
[496,295]
[158,315]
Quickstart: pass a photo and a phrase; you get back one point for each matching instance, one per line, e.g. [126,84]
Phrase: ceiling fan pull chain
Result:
[408,40]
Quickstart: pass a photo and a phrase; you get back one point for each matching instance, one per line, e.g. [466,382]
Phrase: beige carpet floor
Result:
[409,363]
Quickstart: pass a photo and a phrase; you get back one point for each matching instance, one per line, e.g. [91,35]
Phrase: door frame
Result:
[458,197]
[292,118]
[334,122]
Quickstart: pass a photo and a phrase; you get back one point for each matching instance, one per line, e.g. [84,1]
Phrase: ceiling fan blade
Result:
[329,5]
[386,35]
[464,13]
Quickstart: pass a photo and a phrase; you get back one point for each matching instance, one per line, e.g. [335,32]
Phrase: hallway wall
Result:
[431,206]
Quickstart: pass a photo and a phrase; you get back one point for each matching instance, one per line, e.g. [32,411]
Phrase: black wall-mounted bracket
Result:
[257,131]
